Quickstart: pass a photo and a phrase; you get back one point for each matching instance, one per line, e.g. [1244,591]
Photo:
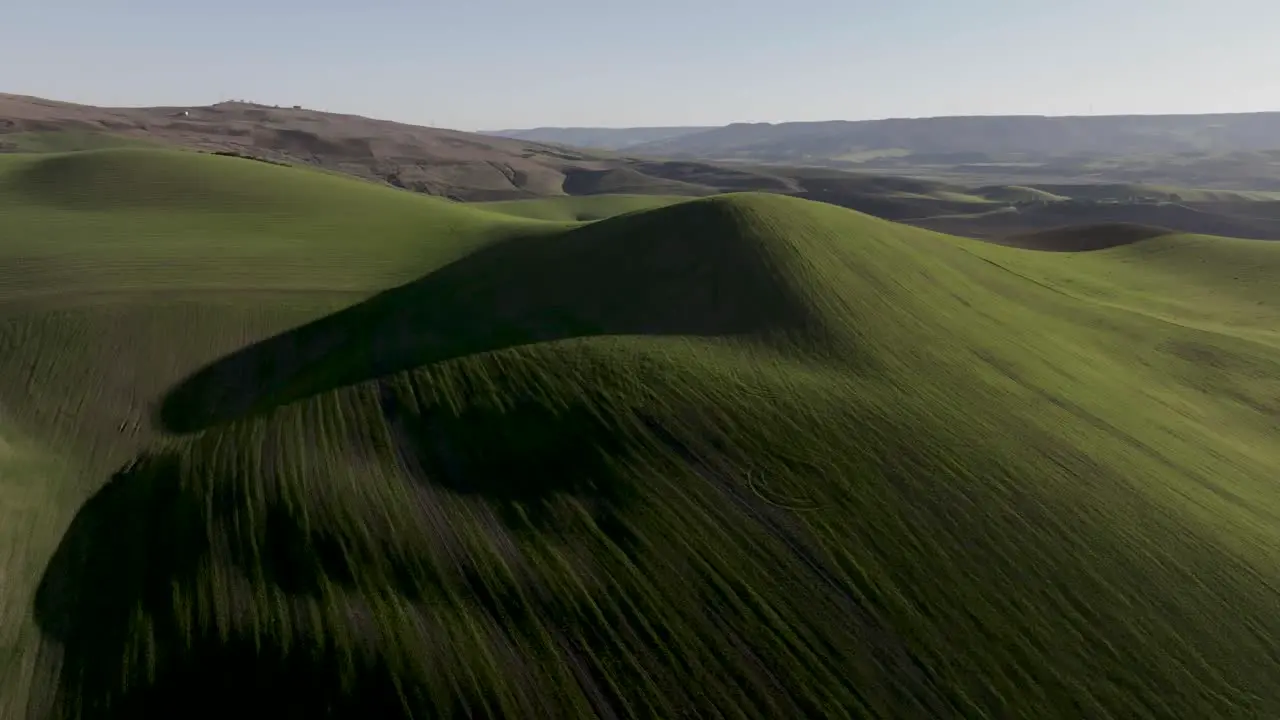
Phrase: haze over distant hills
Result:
[600,138]
[1235,151]
[948,191]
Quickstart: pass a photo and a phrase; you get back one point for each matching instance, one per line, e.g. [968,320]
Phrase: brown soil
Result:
[472,167]
[461,165]
[430,160]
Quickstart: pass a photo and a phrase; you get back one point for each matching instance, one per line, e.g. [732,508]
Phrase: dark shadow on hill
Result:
[522,458]
[1052,216]
[687,269]
[131,545]
[141,511]
[108,598]
[721,178]
[1086,238]
[888,207]
[156,592]
[457,450]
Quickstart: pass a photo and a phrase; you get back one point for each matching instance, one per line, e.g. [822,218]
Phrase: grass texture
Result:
[275,441]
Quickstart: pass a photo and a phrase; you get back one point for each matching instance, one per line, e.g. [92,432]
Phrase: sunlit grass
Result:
[384,456]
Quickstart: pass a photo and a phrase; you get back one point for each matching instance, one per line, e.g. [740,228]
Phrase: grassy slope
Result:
[579,208]
[108,260]
[1124,191]
[178,220]
[747,454]
[58,141]
[1224,285]
[1017,193]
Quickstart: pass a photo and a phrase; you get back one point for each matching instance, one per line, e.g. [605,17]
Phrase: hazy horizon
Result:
[499,64]
[873,119]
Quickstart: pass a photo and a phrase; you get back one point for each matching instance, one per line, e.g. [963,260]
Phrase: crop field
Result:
[281,442]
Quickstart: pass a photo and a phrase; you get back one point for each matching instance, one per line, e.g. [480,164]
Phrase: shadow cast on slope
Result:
[688,269]
[546,453]
[1064,218]
[167,592]
[108,597]
[142,510]
[1086,238]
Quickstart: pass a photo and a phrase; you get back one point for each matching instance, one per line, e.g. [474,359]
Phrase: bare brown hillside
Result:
[461,165]
[429,160]
[474,167]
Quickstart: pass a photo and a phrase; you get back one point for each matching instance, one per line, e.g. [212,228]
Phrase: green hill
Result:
[146,220]
[1127,191]
[579,208]
[59,141]
[1017,193]
[279,441]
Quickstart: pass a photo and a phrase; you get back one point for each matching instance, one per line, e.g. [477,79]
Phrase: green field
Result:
[47,141]
[1126,191]
[1018,193]
[579,208]
[278,441]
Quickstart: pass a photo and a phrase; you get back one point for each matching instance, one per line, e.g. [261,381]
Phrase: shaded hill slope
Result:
[1083,238]
[1223,220]
[580,209]
[745,453]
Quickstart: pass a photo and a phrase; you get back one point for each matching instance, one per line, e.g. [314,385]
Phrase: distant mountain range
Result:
[1223,150]
[997,134]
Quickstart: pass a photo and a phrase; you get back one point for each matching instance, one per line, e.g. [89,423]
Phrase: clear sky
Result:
[490,64]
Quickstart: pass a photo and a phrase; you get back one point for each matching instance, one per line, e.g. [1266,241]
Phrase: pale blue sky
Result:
[488,64]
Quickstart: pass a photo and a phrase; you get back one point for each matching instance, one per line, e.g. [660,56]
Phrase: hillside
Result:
[596,138]
[434,161]
[1207,219]
[471,167]
[281,441]
[428,160]
[580,209]
[1114,135]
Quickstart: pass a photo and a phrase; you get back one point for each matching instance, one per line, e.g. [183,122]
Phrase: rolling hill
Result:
[472,167]
[1008,224]
[982,135]
[580,209]
[428,160]
[597,138]
[434,161]
[279,441]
